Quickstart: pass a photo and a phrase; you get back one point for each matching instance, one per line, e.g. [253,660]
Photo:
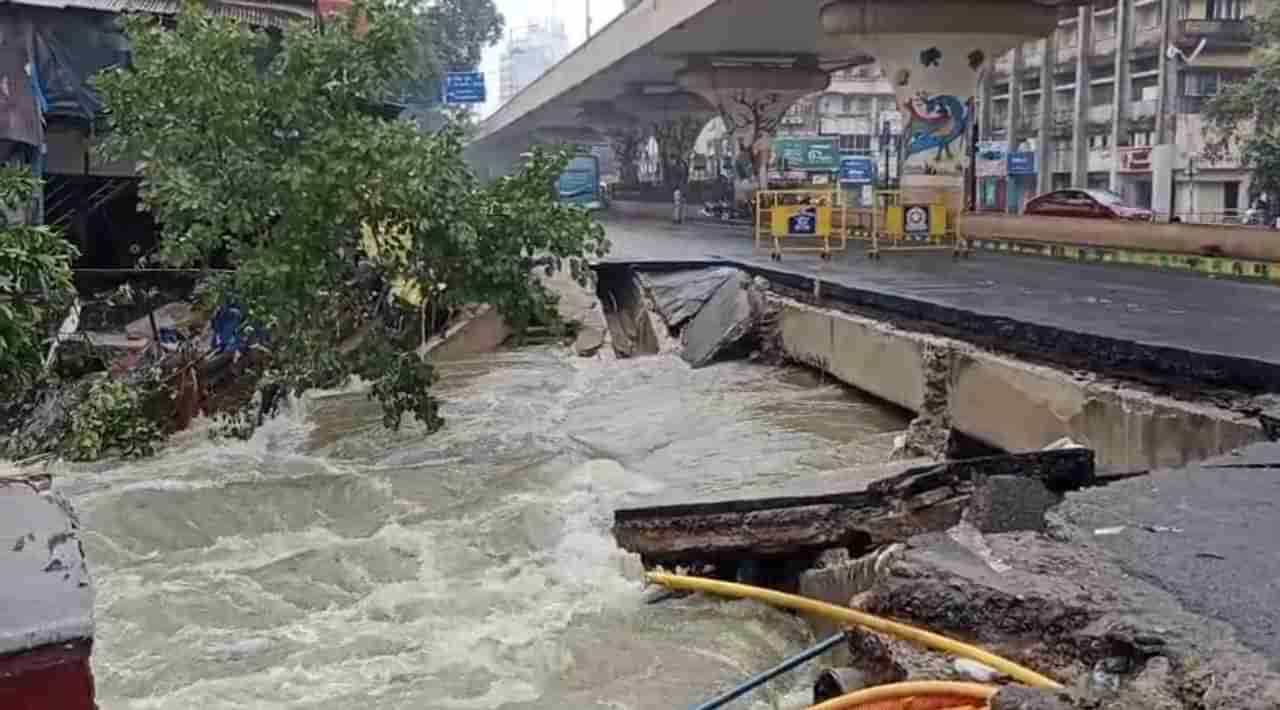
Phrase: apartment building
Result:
[1114,99]
[528,53]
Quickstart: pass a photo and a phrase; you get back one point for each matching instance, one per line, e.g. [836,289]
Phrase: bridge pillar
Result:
[752,99]
[934,52]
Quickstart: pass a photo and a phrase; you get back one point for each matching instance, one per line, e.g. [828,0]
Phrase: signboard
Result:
[807,153]
[800,221]
[1022,162]
[1134,160]
[857,170]
[916,219]
[993,160]
[464,87]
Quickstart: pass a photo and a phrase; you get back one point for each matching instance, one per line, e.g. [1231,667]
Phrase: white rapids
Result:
[328,563]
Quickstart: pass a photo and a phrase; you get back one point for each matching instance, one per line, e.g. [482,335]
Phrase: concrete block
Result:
[1009,503]
[679,295]
[481,332]
[728,317]
[1018,406]
[860,352]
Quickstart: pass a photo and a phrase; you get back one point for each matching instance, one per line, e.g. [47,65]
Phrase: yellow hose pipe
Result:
[852,617]
[881,695]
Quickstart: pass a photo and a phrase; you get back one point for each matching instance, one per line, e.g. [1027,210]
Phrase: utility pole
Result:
[1166,83]
[588,3]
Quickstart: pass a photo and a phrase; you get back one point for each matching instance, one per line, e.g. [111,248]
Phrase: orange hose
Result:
[927,702]
[913,695]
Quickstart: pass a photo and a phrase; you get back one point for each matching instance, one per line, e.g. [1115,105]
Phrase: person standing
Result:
[677,215]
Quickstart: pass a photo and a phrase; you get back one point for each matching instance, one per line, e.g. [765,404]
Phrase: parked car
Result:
[1091,204]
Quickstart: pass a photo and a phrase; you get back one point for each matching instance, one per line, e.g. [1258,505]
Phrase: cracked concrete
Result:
[1004,402]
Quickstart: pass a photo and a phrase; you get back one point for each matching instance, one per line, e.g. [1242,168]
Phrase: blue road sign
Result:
[805,222]
[464,87]
[857,170]
[1022,163]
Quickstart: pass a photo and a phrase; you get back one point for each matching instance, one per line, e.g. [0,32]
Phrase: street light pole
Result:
[886,136]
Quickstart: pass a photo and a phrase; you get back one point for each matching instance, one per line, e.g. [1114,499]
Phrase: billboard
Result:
[807,153]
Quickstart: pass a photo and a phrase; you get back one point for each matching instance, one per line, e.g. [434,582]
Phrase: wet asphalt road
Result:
[1186,311]
[1209,534]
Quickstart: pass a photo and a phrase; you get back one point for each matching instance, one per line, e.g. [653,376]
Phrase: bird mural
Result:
[935,122]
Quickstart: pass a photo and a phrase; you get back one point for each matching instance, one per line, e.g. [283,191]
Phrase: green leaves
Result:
[35,286]
[267,156]
[1243,118]
[111,417]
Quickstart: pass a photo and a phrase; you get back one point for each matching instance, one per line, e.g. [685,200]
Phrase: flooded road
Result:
[329,563]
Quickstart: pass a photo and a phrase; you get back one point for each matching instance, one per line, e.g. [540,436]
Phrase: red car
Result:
[1089,204]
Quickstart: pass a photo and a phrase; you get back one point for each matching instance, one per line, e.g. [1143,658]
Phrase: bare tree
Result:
[758,115]
[626,144]
[676,140]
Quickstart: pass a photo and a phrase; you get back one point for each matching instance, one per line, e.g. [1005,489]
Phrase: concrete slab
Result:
[679,295]
[728,316]
[45,592]
[1005,402]
[881,503]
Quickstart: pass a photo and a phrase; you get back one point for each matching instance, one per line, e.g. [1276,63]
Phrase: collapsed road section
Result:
[1050,556]
[1002,393]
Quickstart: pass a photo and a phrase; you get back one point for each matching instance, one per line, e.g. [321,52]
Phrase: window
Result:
[1141,138]
[831,103]
[1099,141]
[1226,9]
[1202,83]
[860,143]
[860,104]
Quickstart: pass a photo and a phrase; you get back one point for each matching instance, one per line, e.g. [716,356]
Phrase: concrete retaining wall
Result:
[1011,404]
[1237,242]
[481,331]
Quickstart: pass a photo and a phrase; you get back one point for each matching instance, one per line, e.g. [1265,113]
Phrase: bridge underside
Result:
[647,46]
[661,46]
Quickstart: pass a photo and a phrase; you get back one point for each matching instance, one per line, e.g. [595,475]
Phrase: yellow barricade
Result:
[914,227]
[801,221]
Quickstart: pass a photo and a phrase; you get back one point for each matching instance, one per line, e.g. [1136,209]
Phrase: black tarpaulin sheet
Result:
[70,47]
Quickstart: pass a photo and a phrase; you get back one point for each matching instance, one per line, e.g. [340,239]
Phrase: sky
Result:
[518,12]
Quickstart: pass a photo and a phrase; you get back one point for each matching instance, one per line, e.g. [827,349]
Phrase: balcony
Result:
[1144,109]
[1029,122]
[1233,31]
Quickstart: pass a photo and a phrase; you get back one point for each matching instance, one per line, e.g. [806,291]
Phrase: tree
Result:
[450,35]
[626,144]
[1243,119]
[342,227]
[35,286]
[677,138]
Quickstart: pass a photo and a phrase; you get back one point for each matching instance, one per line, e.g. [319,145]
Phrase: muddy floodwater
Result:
[329,563]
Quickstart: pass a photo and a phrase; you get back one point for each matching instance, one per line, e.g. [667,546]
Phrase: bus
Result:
[579,184]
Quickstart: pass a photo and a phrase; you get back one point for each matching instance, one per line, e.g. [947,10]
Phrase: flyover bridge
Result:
[748,61]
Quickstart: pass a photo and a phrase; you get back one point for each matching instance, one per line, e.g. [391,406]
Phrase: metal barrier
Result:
[914,227]
[859,223]
[814,220]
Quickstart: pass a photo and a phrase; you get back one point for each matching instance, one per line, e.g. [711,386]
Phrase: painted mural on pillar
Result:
[935,124]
